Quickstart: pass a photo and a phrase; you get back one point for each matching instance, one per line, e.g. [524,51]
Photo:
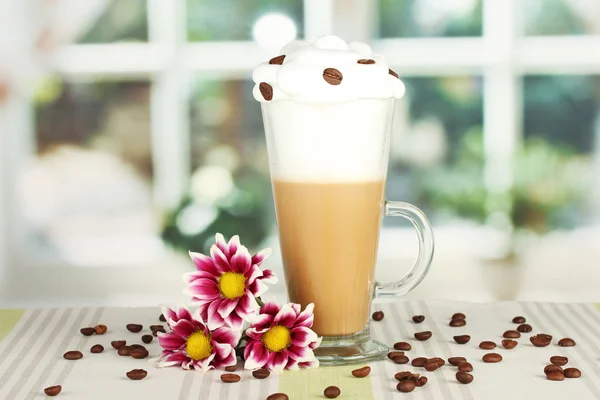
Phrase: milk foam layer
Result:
[300,77]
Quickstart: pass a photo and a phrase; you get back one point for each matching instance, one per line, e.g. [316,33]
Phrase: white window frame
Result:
[501,56]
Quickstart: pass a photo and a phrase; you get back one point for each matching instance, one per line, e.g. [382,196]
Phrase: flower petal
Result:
[240,261]
[168,313]
[234,245]
[183,313]
[223,352]
[261,321]
[306,317]
[269,276]
[204,289]
[286,316]
[170,341]
[206,364]
[258,287]
[173,359]
[247,306]
[183,328]
[214,319]
[235,321]
[204,263]
[300,354]
[277,361]
[219,259]
[270,307]
[292,365]
[302,336]
[256,355]
[222,244]
[226,335]
[259,257]
[253,274]
[310,364]
[227,306]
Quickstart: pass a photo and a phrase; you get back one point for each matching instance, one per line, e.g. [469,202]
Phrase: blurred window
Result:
[561,17]
[120,21]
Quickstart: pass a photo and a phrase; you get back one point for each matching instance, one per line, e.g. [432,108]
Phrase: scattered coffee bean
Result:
[139,353]
[552,368]
[233,368]
[395,75]
[487,345]
[438,360]
[378,315]
[266,90]
[509,344]
[361,372]
[540,340]
[519,320]
[459,315]
[97,348]
[147,339]
[157,328]
[277,60]
[492,358]
[124,351]
[137,374]
[162,318]
[393,354]
[511,334]
[100,329]
[406,386]
[261,373]
[87,331]
[53,390]
[331,392]
[566,342]
[419,362]
[136,347]
[417,319]
[422,381]
[423,335]
[278,396]
[555,376]
[455,323]
[135,328]
[431,365]
[559,360]
[404,346]
[73,355]
[117,344]
[332,76]
[404,375]
[400,359]
[464,377]
[572,373]
[366,61]
[157,331]
[456,361]
[465,367]
[462,339]
[230,378]
[524,328]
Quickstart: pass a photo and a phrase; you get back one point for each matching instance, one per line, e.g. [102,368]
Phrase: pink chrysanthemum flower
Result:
[227,283]
[192,345]
[280,338]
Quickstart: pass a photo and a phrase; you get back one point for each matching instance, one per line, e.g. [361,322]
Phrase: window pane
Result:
[555,175]
[562,17]
[236,20]
[430,18]
[119,21]
[87,194]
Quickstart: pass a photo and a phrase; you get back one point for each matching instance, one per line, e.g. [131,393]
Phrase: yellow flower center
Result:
[198,346]
[277,338]
[232,285]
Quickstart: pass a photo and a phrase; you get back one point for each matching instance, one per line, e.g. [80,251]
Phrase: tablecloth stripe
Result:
[8,320]
[16,335]
[383,372]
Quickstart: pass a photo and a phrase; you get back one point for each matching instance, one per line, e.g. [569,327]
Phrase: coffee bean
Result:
[136,347]
[97,348]
[456,361]
[100,329]
[230,378]
[465,367]
[138,353]
[404,346]
[431,365]
[157,331]
[406,386]
[572,373]
[566,342]
[492,358]
[487,345]
[117,344]
[552,368]
[403,375]
[162,318]
[559,360]
[366,61]
[524,328]
[157,328]
[395,75]
[87,331]
[400,359]
[136,374]
[378,315]
[147,339]
[361,372]
[519,320]
[135,328]
[422,381]
[464,377]
[423,335]
[393,354]
[419,362]
[261,373]
[332,76]
[266,90]
[73,355]
[417,319]
[555,376]
[124,351]
[231,368]
[511,334]
[462,339]
[459,315]
[438,360]
[331,392]
[278,396]
[455,323]
[509,344]
[53,390]
[277,60]
[540,340]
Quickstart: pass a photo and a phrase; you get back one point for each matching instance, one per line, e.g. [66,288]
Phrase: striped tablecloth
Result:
[32,343]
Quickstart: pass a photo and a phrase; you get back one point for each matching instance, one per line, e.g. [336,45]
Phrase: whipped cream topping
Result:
[301,75]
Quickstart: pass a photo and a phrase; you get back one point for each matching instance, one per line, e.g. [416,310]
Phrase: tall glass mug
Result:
[328,165]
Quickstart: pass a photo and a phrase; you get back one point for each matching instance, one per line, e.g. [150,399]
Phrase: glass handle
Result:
[426,245]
